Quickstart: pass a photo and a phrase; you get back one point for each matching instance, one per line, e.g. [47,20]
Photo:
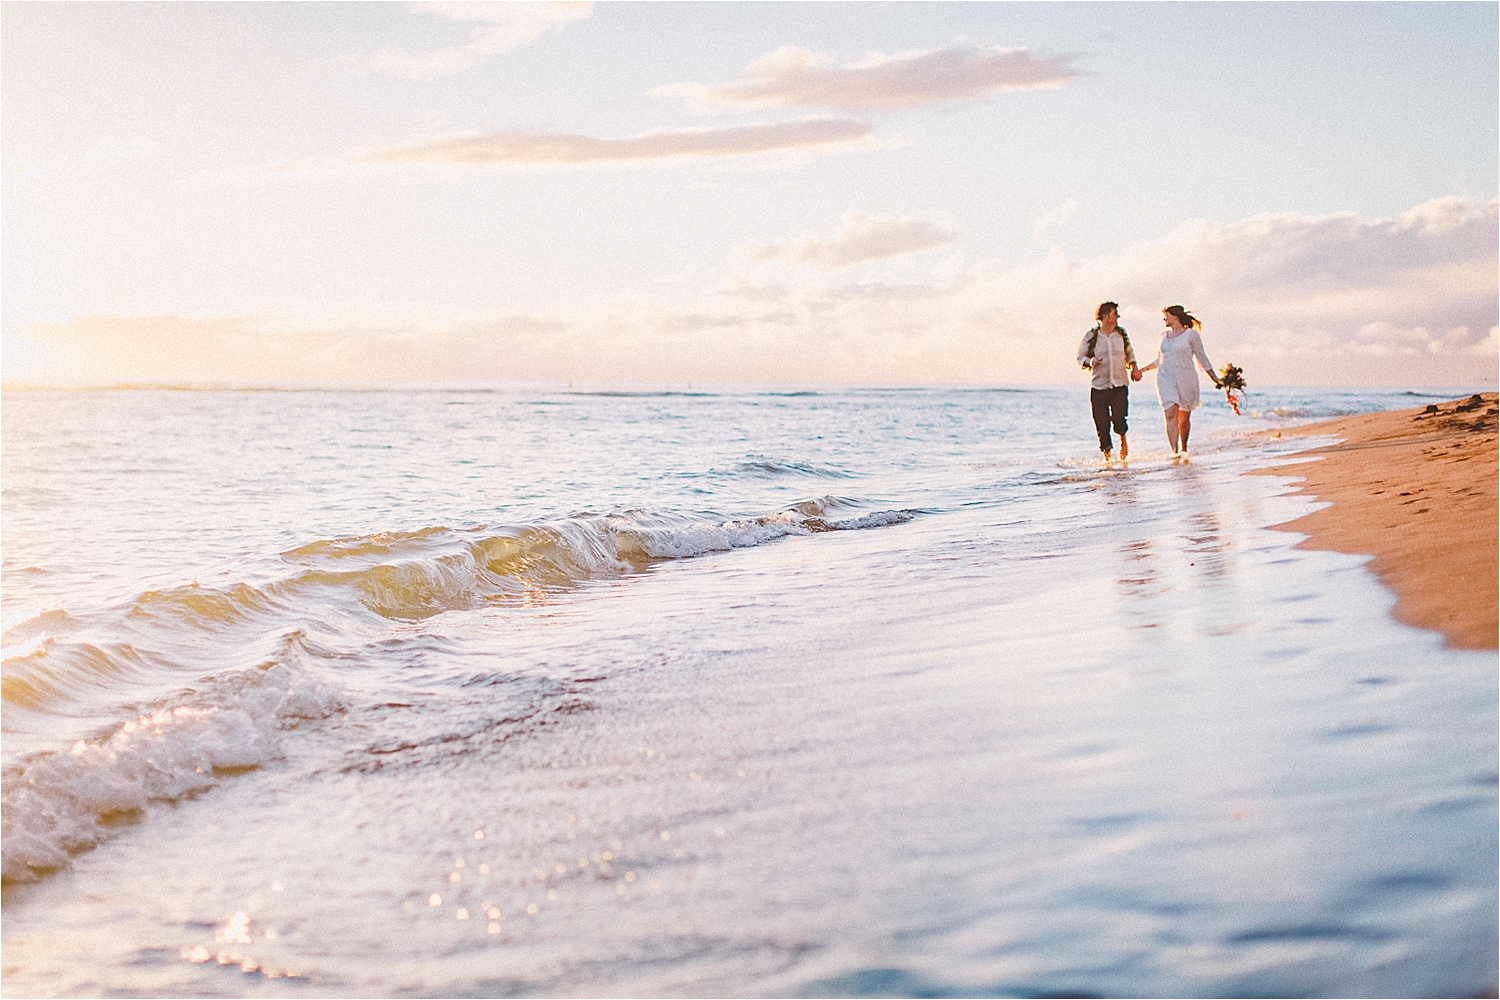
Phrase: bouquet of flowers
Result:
[1232,380]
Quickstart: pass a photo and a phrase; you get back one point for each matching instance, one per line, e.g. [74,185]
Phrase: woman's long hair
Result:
[1183,316]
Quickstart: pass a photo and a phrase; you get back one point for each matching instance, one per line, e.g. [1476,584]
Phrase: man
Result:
[1105,351]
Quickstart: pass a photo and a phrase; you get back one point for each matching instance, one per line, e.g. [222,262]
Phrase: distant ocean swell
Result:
[168,746]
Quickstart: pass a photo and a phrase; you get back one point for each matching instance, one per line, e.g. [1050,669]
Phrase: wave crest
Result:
[48,672]
[203,607]
[415,575]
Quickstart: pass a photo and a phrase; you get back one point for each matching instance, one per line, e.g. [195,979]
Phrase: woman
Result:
[1176,382]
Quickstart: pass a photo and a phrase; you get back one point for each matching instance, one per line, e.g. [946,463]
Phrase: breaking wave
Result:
[197,712]
[54,804]
[418,574]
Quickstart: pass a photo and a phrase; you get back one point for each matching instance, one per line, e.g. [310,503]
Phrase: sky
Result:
[292,193]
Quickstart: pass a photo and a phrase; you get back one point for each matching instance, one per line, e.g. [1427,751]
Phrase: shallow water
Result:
[742,691]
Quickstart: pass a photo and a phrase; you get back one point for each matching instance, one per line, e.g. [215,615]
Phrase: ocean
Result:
[716,691]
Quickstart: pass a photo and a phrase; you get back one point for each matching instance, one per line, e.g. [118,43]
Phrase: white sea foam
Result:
[24,625]
[58,803]
[26,649]
[879,519]
[689,540]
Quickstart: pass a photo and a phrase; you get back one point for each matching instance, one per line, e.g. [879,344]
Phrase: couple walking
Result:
[1106,351]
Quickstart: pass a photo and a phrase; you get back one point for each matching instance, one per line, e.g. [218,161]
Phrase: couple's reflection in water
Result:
[1193,554]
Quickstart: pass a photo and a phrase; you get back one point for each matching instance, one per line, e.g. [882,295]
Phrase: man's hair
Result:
[1105,307]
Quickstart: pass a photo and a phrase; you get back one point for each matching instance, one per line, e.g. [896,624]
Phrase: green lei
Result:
[1094,339]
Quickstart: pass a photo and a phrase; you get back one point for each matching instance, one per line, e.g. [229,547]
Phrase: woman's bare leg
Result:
[1172,421]
[1185,426]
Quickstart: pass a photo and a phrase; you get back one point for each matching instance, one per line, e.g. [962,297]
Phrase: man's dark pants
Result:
[1110,407]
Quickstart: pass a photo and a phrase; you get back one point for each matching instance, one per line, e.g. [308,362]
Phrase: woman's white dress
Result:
[1176,380]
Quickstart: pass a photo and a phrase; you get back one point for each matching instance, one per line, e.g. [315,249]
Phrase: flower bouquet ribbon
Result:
[1232,380]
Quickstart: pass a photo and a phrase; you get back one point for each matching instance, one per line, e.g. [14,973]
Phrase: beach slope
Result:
[1417,490]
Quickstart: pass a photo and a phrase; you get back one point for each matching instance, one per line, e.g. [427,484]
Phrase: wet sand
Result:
[1417,490]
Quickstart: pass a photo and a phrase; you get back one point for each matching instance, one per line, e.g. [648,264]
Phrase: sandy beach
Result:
[1417,490]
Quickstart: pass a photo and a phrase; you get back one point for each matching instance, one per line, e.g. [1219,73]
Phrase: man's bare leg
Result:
[1124,448]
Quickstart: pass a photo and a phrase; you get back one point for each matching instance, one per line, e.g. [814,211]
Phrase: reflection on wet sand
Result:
[1140,573]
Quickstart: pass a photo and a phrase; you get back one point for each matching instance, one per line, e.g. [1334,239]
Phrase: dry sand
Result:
[1417,490]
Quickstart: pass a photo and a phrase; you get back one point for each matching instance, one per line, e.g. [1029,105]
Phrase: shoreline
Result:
[1415,489]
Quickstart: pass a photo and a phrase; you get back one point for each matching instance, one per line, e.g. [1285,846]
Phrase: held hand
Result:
[1135,374]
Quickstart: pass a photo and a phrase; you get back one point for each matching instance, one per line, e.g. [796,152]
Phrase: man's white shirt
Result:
[1111,360]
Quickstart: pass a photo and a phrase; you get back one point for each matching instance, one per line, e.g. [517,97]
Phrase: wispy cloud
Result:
[862,238]
[502,27]
[559,147]
[1054,217]
[794,77]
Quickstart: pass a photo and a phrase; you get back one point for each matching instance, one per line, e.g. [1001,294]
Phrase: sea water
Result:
[533,690]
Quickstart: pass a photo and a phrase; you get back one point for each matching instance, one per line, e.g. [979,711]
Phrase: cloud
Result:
[799,78]
[861,239]
[1438,258]
[1309,299]
[1054,217]
[502,27]
[558,147]
[1388,340]
[1292,298]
